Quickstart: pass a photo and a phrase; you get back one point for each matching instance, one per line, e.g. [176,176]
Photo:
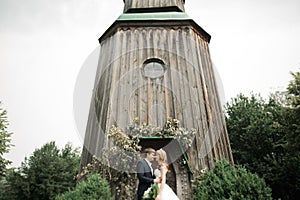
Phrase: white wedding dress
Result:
[167,193]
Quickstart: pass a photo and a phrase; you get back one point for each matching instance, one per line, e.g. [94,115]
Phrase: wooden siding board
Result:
[205,113]
[135,70]
[216,109]
[127,91]
[192,152]
[161,105]
[154,49]
[122,88]
[139,44]
[108,73]
[97,107]
[193,72]
[149,88]
[169,82]
[208,102]
[144,82]
[190,107]
[201,144]
[114,67]
[176,76]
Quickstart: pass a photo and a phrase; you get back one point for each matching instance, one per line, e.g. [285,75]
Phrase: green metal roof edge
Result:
[157,137]
[154,16]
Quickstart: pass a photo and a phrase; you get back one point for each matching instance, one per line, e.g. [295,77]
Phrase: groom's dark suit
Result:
[145,177]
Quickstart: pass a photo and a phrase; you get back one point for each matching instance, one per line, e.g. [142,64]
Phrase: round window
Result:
[154,69]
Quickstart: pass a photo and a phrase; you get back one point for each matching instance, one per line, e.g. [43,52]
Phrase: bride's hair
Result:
[162,156]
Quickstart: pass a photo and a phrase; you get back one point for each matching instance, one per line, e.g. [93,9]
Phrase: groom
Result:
[145,172]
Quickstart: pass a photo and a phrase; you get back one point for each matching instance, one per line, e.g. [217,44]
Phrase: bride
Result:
[165,192]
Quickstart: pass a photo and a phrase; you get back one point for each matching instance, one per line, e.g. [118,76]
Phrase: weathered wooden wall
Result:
[187,91]
[145,4]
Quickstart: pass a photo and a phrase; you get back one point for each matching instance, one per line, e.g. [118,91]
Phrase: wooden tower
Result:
[155,64]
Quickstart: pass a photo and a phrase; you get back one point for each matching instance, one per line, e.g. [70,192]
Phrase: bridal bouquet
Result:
[151,193]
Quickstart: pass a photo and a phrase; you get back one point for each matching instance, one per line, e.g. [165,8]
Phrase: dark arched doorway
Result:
[179,174]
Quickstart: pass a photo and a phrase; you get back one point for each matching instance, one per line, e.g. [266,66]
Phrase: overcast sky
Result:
[44,44]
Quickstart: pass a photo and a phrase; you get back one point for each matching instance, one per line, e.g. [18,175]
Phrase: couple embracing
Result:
[148,176]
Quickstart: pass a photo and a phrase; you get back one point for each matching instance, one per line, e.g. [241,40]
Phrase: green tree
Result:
[14,186]
[291,158]
[293,90]
[94,187]
[47,172]
[5,141]
[265,137]
[228,182]
[250,125]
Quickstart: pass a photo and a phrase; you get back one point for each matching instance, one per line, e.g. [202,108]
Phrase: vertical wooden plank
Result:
[139,44]
[203,142]
[196,100]
[143,99]
[135,79]
[170,84]
[164,84]
[176,75]
[98,123]
[189,110]
[159,103]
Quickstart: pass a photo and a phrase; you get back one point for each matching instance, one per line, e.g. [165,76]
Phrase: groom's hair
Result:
[147,150]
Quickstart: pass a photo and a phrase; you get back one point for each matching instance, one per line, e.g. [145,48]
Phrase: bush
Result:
[227,182]
[94,187]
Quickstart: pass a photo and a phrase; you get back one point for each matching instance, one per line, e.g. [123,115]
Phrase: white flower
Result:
[203,171]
